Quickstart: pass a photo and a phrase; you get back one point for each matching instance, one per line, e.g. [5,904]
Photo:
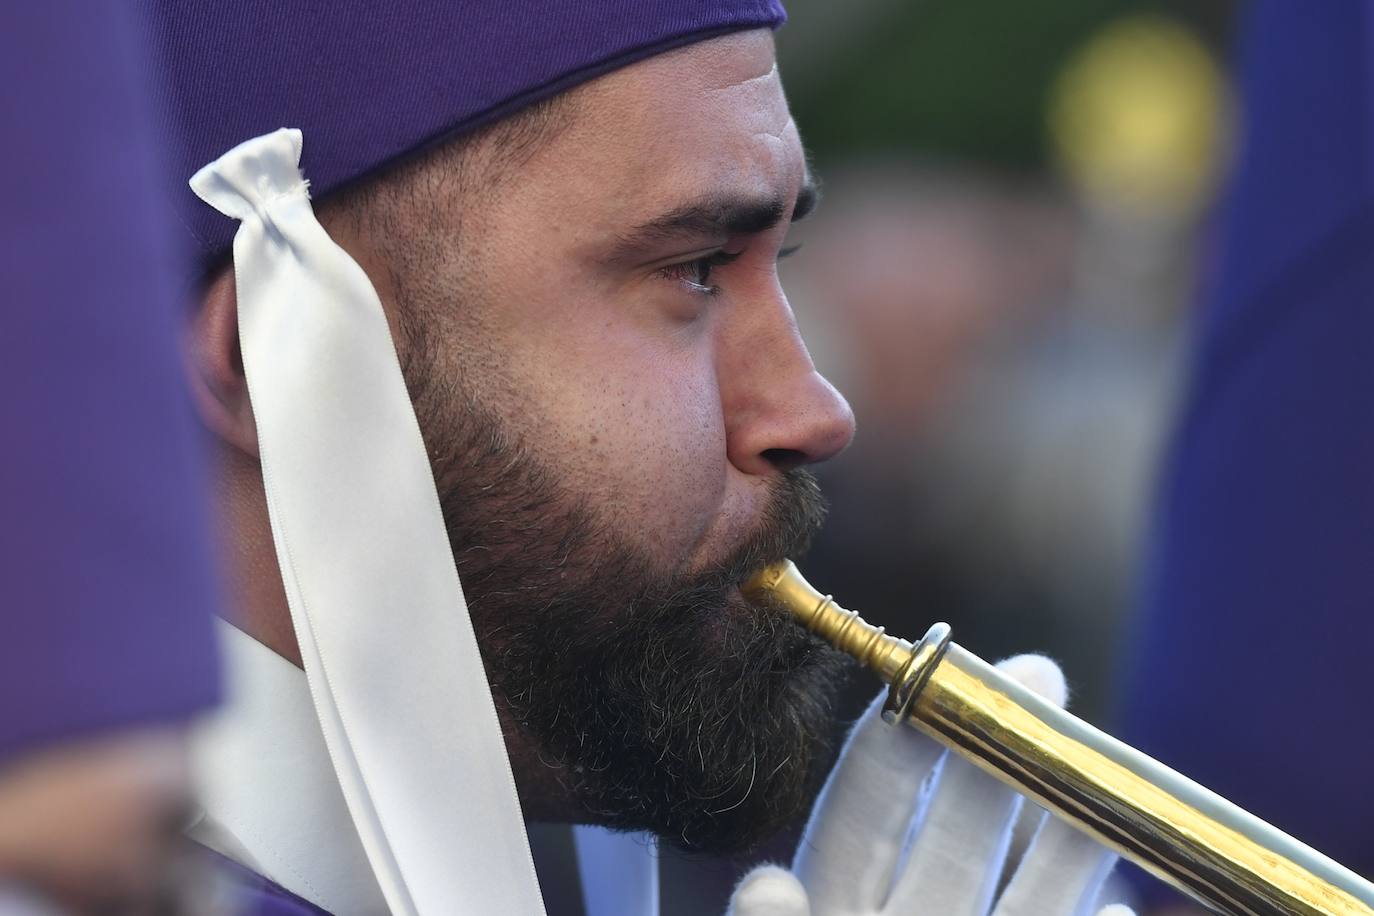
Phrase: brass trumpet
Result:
[1218,854]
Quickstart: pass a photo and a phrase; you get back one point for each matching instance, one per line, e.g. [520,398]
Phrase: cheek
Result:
[640,427]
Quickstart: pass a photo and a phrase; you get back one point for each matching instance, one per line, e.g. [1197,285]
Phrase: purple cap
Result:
[368,83]
[106,587]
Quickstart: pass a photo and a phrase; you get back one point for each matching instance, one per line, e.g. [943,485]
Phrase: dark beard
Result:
[666,702]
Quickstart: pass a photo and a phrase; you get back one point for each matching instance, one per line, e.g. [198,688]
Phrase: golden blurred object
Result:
[1141,115]
[1174,828]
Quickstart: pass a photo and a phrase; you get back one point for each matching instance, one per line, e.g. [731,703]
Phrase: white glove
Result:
[895,791]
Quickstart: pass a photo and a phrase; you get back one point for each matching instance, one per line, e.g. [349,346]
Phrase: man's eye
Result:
[696,274]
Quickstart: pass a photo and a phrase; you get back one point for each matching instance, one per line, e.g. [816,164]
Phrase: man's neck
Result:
[258,604]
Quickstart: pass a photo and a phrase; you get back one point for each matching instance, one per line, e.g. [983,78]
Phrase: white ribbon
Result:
[383,628]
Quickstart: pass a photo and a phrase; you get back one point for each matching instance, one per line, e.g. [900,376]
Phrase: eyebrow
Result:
[726,214]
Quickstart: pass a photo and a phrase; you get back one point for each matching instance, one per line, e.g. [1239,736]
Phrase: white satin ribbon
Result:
[384,632]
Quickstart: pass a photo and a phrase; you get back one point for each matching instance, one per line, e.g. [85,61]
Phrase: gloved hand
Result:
[893,791]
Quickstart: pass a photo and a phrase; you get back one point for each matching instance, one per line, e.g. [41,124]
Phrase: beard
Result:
[662,700]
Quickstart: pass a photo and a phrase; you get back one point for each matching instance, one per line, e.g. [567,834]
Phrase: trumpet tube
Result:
[1192,838]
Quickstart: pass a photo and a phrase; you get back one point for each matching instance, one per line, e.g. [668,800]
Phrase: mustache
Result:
[791,517]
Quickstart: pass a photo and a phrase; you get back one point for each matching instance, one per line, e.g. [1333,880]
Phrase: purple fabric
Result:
[370,82]
[105,581]
[250,894]
[1258,605]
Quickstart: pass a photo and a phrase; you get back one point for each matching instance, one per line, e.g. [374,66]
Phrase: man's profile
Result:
[617,408]
[525,325]
[618,411]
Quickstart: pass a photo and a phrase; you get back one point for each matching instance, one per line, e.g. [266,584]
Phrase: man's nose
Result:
[780,412]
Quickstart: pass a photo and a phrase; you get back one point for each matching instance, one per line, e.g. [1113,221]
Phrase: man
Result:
[614,412]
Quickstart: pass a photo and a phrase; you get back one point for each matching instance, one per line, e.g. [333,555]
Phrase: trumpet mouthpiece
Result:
[781,585]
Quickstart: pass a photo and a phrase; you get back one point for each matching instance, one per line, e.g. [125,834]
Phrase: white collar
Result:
[271,799]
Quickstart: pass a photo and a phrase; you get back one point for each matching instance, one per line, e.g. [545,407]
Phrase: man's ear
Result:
[215,362]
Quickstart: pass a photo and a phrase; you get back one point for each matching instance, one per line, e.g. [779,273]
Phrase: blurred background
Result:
[1016,222]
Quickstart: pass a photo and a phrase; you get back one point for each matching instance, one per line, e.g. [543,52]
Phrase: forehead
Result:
[708,118]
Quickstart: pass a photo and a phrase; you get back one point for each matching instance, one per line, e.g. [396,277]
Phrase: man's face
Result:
[616,402]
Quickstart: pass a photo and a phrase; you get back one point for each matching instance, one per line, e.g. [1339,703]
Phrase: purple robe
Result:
[254,895]
[1258,603]
[106,585]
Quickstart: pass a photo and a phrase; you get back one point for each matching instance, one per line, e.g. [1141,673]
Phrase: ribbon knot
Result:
[245,181]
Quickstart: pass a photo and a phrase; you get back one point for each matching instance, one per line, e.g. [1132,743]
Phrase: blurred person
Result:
[523,328]
[106,647]
[1254,609]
